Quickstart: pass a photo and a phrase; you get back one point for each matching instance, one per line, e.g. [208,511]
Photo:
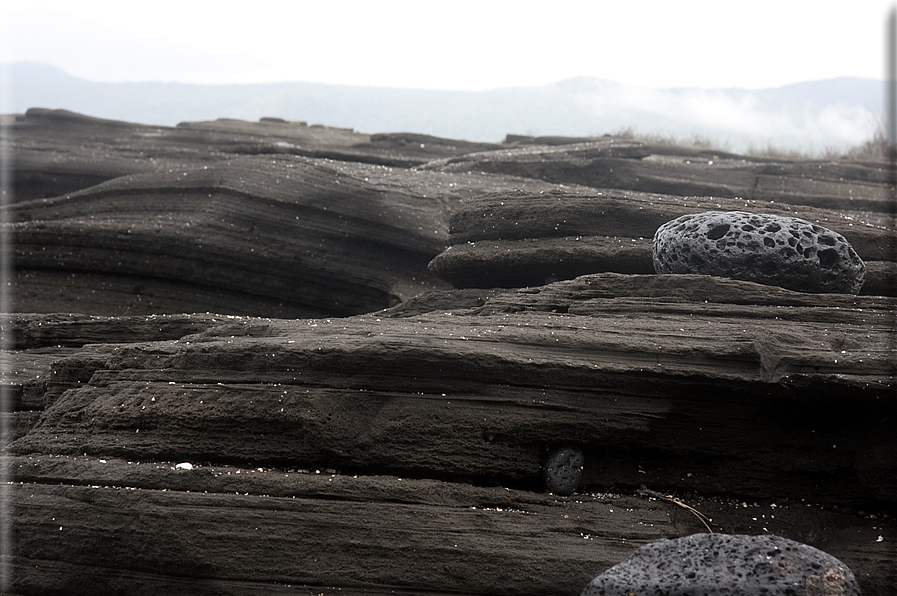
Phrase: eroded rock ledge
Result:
[656,378]
[521,238]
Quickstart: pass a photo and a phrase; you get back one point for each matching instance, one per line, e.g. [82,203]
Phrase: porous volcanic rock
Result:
[716,564]
[563,470]
[769,249]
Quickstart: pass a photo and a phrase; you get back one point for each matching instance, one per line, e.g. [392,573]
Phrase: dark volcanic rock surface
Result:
[612,162]
[533,370]
[652,383]
[296,236]
[278,218]
[58,152]
[527,238]
[201,229]
[402,449]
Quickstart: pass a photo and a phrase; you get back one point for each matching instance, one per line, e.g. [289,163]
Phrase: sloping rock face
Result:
[58,152]
[387,433]
[279,218]
[215,217]
[284,237]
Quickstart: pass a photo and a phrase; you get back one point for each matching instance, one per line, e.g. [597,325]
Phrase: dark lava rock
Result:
[562,471]
[268,218]
[437,410]
[727,564]
[626,365]
[524,238]
[769,249]
[626,164]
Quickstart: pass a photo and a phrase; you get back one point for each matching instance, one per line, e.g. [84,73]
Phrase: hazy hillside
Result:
[810,116]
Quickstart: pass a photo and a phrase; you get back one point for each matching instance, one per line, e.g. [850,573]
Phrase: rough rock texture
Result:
[715,564]
[270,218]
[58,152]
[619,163]
[401,449]
[524,238]
[238,228]
[676,382]
[769,249]
[606,371]
[562,470]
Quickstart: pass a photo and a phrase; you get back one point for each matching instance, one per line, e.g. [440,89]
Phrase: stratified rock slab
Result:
[770,249]
[524,238]
[622,163]
[676,382]
[483,392]
[174,454]
[716,564]
[286,237]
[277,532]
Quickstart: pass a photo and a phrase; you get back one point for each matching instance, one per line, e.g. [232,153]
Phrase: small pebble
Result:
[562,471]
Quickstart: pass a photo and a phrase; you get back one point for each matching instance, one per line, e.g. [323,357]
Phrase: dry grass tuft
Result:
[876,148]
[695,141]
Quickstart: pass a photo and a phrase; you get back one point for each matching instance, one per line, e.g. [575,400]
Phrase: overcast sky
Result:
[457,45]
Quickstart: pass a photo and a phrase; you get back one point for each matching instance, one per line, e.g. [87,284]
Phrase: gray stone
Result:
[770,249]
[735,565]
[562,470]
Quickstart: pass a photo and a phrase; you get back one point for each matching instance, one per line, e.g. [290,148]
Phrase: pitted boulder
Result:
[770,249]
[727,564]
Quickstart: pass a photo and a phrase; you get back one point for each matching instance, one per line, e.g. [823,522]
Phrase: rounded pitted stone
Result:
[562,471]
[769,249]
[716,564]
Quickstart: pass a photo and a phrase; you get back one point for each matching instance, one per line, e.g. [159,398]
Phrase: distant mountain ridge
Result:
[810,116]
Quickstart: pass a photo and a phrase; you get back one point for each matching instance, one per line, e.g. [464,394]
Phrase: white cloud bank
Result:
[735,119]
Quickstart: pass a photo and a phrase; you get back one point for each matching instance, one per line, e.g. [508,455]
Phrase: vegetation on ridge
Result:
[875,148]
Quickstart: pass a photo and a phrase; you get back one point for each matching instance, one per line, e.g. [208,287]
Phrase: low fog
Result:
[812,117]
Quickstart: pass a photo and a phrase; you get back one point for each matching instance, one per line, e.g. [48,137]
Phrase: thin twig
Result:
[647,492]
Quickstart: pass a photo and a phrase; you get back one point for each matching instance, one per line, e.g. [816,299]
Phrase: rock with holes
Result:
[727,564]
[562,470]
[770,249]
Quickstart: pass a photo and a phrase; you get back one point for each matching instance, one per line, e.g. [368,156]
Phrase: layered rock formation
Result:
[354,424]
[654,168]
[209,224]
[528,238]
